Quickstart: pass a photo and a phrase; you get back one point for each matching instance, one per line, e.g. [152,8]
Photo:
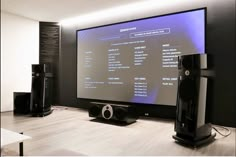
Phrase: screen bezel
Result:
[146,109]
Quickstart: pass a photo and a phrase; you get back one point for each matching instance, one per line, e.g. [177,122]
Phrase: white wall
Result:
[19,49]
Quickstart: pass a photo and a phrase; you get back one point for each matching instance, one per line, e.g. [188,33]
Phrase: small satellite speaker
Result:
[190,125]
[113,112]
[22,102]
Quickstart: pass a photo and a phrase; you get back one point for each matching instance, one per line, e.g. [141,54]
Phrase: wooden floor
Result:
[69,131]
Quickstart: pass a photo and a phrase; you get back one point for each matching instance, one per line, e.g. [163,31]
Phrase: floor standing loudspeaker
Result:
[190,125]
[41,90]
[113,112]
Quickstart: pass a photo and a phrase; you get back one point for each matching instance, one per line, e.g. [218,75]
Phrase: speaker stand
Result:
[194,143]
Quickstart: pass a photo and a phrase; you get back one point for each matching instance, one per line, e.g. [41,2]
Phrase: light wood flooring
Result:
[70,131]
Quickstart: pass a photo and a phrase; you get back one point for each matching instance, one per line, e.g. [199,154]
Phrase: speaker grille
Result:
[120,113]
[94,111]
[186,89]
[187,62]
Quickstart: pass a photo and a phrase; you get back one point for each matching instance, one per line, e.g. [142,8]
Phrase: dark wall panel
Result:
[49,39]
[220,45]
[68,66]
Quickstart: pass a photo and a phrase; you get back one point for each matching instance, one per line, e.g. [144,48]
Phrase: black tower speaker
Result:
[113,112]
[41,91]
[22,102]
[190,125]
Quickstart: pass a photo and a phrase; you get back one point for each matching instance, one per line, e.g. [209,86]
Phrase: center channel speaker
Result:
[190,125]
[114,112]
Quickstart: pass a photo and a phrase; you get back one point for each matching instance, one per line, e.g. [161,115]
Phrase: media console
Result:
[113,112]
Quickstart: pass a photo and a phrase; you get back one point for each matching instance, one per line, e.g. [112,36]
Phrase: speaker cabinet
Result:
[114,112]
[22,102]
[190,125]
[41,98]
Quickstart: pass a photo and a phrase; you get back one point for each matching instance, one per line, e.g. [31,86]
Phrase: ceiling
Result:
[57,10]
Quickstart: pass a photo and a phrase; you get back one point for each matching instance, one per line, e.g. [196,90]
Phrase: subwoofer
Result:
[190,125]
[41,90]
[113,112]
[22,102]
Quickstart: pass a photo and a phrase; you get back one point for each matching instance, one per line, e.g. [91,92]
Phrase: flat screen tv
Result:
[136,62]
